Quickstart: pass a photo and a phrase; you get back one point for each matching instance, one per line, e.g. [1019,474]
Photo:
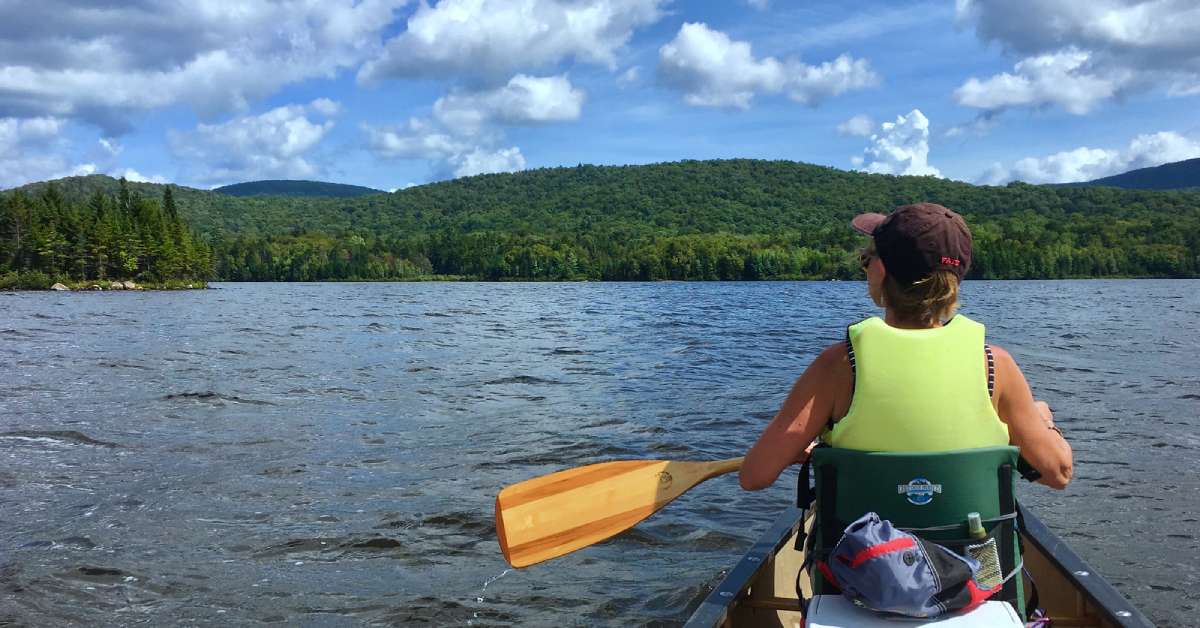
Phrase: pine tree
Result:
[20,219]
[124,204]
[168,203]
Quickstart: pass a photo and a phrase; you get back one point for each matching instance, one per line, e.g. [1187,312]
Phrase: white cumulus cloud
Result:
[1078,54]
[713,70]
[78,170]
[17,134]
[110,146]
[36,149]
[133,175]
[523,100]
[451,153]
[1065,78]
[492,39]
[17,170]
[326,107]
[103,63]
[861,125]
[462,135]
[1156,31]
[1085,163]
[272,145]
[418,139]
[31,149]
[900,147]
[482,161]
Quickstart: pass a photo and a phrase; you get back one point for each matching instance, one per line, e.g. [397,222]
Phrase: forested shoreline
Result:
[704,220]
[50,238]
[696,257]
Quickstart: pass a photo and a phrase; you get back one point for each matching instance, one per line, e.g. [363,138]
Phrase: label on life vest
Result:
[919,491]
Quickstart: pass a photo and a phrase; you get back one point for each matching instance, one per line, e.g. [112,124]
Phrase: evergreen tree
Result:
[17,222]
[168,203]
[124,202]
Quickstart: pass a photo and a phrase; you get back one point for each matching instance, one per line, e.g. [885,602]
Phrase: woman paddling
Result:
[920,379]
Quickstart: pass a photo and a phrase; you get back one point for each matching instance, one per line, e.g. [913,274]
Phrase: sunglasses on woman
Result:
[865,256]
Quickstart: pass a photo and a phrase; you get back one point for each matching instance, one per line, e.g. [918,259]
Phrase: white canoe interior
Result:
[761,589]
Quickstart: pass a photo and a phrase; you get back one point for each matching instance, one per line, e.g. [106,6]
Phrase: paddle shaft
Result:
[555,514]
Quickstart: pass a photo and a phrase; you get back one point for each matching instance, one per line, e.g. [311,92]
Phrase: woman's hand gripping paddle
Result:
[555,514]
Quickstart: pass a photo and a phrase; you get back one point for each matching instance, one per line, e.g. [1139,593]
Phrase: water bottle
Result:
[989,574]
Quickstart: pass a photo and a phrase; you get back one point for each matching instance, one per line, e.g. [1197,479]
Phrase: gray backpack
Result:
[886,569]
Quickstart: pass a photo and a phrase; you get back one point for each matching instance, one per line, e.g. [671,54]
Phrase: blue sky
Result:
[390,93]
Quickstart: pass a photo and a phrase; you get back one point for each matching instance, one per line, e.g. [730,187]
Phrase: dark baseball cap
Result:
[915,240]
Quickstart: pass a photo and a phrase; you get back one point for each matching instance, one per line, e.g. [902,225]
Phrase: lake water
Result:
[328,454]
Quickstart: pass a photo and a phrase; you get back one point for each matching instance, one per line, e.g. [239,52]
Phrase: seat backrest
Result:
[920,490]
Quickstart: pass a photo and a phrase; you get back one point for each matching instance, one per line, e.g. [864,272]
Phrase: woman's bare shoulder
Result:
[834,355]
[834,370]
[1003,358]
[830,367]
[1009,377]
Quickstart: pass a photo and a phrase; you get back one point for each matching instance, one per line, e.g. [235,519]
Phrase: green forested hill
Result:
[735,219]
[295,188]
[1172,176]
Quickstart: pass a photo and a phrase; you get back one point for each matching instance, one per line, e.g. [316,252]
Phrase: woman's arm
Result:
[1030,424]
[807,408]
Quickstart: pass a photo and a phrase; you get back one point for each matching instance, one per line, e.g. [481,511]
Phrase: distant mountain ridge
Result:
[294,188]
[742,196]
[1173,176]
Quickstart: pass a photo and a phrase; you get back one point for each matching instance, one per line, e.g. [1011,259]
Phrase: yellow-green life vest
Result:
[919,390]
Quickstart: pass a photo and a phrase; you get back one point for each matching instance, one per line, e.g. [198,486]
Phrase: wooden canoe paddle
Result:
[555,514]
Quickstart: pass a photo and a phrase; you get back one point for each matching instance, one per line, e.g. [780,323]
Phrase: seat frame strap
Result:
[1007,505]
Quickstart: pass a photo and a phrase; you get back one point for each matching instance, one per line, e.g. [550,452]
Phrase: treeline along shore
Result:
[692,220]
[104,241]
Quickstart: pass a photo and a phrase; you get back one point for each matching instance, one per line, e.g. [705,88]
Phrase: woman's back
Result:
[918,389]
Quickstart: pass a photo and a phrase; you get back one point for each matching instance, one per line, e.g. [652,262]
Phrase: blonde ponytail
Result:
[927,301]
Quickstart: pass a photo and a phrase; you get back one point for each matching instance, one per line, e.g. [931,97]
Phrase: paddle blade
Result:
[555,514]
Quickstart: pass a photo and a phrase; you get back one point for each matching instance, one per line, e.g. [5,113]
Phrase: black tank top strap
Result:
[850,354]
[991,361]
[853,373]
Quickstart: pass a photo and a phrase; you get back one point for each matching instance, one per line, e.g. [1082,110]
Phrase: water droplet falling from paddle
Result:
[479,599]
[490,580]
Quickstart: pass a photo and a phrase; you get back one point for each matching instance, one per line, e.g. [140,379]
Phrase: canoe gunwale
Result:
[715,608]
[1100,592]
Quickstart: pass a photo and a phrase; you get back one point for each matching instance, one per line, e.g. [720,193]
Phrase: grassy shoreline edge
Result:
[38,281]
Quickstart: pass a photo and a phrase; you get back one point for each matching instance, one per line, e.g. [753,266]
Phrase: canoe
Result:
[761,589]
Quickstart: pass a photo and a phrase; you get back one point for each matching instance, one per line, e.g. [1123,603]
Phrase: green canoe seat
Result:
[927,494]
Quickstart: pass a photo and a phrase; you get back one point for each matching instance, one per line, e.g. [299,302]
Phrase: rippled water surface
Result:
[328,454]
